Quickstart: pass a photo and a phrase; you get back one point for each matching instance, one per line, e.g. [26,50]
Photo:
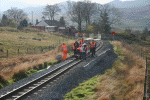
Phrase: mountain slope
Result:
[130,4]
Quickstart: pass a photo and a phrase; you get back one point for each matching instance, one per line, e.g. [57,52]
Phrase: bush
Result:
[52,62]
[41,66]
[45,64]
[3,81]
[31,71]
[38,39]
[33,38]
[20,75]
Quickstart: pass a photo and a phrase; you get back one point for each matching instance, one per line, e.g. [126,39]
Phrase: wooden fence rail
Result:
[31,50]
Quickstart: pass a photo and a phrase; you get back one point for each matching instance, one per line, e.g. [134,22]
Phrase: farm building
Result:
[49,25]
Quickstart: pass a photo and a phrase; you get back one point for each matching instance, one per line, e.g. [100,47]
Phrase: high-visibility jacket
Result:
[80,45]
[64,48]
[93,44]
[79,48]
[75,45]
[82,41]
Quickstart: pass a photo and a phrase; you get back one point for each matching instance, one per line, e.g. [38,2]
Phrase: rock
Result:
[59,57]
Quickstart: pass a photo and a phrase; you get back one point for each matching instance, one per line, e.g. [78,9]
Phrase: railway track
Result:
[20,92]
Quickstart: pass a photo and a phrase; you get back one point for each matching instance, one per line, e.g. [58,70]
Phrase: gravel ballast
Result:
[58,88]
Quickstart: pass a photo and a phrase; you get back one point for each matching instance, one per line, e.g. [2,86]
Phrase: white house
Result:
[49,25]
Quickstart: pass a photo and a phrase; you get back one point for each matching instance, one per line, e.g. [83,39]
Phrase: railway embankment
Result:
[123,80]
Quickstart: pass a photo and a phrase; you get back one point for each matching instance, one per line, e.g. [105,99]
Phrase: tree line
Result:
[96,17]
[14,18]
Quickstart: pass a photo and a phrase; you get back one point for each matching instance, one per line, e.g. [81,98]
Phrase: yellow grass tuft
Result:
[136,94]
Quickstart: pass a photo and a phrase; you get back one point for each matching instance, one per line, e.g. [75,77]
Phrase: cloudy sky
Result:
[7,4]
[43,2]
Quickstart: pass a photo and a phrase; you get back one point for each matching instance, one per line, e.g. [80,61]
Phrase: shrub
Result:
[35,67]
[52,62]
[3,81]
[31,71]
[41,66]
[19,75]
[33,38]
[45,64]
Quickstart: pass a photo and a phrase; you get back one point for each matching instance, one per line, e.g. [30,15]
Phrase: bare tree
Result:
[51,11]
[108,17]
[16,14]
[76,10]
[89,10]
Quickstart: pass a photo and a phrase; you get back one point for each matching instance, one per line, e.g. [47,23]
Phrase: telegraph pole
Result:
[32,17]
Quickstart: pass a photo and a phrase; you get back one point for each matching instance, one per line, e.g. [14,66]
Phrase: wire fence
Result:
[11,53]
[140,54]
[8,53]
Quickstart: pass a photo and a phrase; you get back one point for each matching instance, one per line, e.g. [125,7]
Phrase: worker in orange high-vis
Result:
[82,41]
[79,51]
[75,46]
[93,47]
[64,48]
[84,50]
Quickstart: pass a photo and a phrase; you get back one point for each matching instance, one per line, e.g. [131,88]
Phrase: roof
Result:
[51,26]
[54,23]
[61,28]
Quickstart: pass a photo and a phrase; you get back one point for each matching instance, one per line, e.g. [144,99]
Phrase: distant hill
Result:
[129,4]
[135,13]
[138,17]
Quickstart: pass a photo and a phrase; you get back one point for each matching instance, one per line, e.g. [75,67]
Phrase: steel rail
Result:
[41,80]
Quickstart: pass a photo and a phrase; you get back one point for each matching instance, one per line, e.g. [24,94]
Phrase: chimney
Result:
[43,19]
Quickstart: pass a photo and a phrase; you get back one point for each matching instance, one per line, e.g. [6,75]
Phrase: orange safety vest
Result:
[82,41]
[92,44]
[79,48]
[64,48]
[74,45]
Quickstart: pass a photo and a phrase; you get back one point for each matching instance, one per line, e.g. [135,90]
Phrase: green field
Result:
[12,39]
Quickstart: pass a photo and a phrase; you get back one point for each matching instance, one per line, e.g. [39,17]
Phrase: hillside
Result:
[31,58]
[135,13]
[28,41]
[136,18]
[129,4]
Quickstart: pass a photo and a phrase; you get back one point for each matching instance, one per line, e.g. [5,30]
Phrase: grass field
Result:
[16,67]
[11,39]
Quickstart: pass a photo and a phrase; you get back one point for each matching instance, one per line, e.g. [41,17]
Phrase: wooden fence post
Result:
[18,52]
[34,50]
[27,50]
[41,49]
[7,53]
[49,48]
[145,97]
